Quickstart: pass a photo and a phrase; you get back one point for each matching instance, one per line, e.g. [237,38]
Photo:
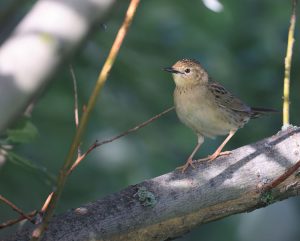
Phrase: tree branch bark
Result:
[172,204]
[47,35]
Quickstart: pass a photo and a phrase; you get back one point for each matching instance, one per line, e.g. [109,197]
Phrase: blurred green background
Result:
[242,45]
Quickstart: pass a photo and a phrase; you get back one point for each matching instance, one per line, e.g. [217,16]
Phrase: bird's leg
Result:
[219,152]
[189,161]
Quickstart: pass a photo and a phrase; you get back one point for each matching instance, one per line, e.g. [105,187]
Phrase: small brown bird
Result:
[207,107]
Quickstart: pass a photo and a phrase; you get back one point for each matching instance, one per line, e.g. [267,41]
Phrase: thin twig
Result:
[46,203]
[15,221]
[97,144]
[145,123]
[287,66]
[281,178]
[28,165]
[75,95]
[80,158]
[76,116]
[61,179]
[15,208]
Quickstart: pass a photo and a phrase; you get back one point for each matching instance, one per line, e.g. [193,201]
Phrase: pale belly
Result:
[203,116]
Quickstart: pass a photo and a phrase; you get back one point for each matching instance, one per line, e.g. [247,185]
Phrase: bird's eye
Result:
[187,71]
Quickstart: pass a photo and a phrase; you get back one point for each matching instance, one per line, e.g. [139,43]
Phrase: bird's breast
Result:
[196,108]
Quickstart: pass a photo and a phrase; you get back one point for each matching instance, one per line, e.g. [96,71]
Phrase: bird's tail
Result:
[256,112]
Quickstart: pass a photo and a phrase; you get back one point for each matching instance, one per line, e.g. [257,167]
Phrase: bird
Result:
[206,107]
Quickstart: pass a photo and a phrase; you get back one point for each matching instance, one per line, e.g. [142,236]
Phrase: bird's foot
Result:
[214,156]
[188,163]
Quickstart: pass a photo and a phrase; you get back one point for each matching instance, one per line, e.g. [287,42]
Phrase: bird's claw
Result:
[225,153]
[188,163]
[214,156]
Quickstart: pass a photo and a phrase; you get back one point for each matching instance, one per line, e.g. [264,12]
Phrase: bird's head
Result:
[187,72]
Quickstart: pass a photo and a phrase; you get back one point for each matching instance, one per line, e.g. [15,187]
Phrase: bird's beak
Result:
[172,70]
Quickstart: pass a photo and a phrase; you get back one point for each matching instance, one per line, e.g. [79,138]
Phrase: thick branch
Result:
[172,204]
[46,36]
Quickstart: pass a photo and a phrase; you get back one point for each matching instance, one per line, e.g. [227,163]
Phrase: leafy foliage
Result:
[23,132]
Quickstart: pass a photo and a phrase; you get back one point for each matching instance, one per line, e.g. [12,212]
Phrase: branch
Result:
[15,208]
[76,115]
[63,174]
[287,66]
[38,46]
[290,171]
[172,204]
[12,222]
[133,129]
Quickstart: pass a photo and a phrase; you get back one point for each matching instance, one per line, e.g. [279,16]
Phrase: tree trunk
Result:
[172,204]
[47,35]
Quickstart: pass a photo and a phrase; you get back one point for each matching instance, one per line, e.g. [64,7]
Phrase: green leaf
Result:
[46,176]
[23,132]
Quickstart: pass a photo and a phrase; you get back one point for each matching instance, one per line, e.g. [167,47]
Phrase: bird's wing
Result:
[226,100]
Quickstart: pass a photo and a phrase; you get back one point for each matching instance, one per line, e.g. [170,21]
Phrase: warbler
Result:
[207,107]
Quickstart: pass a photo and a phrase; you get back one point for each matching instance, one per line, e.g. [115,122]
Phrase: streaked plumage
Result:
[206,106]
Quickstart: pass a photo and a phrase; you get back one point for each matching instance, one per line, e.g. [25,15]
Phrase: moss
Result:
[267,197]
[145,197]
